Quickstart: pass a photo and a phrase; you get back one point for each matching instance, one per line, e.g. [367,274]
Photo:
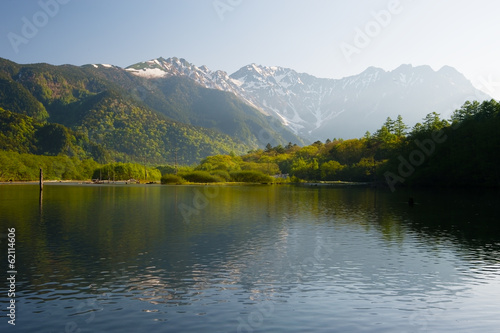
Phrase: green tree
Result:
[468,110]
[384,135]
[390,125]
[53,139]
[219,162]
[432,122]
[400,127]
[331,170]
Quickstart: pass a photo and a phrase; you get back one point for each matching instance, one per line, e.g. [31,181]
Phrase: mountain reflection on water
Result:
[252,258]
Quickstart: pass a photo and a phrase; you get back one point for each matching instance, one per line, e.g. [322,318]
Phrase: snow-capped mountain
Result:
[164,68]
[317,108]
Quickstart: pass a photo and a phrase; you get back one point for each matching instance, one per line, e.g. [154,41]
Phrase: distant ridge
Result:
[318,108]
[104,111]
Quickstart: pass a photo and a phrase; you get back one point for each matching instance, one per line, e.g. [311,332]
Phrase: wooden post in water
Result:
[41,179]
[40,202]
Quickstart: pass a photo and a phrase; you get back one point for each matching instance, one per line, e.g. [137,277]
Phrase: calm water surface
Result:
[135,258]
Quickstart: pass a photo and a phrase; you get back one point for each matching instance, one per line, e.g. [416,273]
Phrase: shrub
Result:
[201,177]
[250,176]
[123,171]
[222,174]
[295,179]
[166,169]
[172,179]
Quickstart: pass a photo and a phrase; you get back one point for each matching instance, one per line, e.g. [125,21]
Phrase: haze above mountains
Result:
[153,108]
[318,108]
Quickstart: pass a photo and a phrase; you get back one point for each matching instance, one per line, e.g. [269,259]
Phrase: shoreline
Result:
[337,183]
[303,184]
[126,182]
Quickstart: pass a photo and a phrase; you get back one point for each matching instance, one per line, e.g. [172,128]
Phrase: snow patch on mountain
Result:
[318,108]
[148,72]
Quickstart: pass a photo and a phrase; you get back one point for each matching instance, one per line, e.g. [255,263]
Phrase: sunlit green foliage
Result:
[125,118]
[16,166]
[15,97]
[461,152]
[17,132]
[224,175]
[97,122]
[166,169]
[172,179]
[465,153]
[331,170]
[201,177]
[250,176]
[219,162]
[24,134]
[126,171]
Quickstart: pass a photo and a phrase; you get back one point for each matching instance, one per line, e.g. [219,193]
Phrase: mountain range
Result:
[166,109]
[104,107]
[317,108]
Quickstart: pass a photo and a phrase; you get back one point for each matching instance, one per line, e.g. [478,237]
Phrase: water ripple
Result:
[260,259]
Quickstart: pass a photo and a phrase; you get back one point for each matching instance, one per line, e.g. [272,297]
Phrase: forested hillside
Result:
[23,134]
[461,151]
[127,116]
[75,120]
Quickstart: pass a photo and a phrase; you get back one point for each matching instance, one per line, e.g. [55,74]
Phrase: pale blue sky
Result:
[326,38]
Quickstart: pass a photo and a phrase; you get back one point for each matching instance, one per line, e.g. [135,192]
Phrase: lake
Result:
[152,258]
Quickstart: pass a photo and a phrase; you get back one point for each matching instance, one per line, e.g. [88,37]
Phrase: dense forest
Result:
[112,115]
[460,151]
